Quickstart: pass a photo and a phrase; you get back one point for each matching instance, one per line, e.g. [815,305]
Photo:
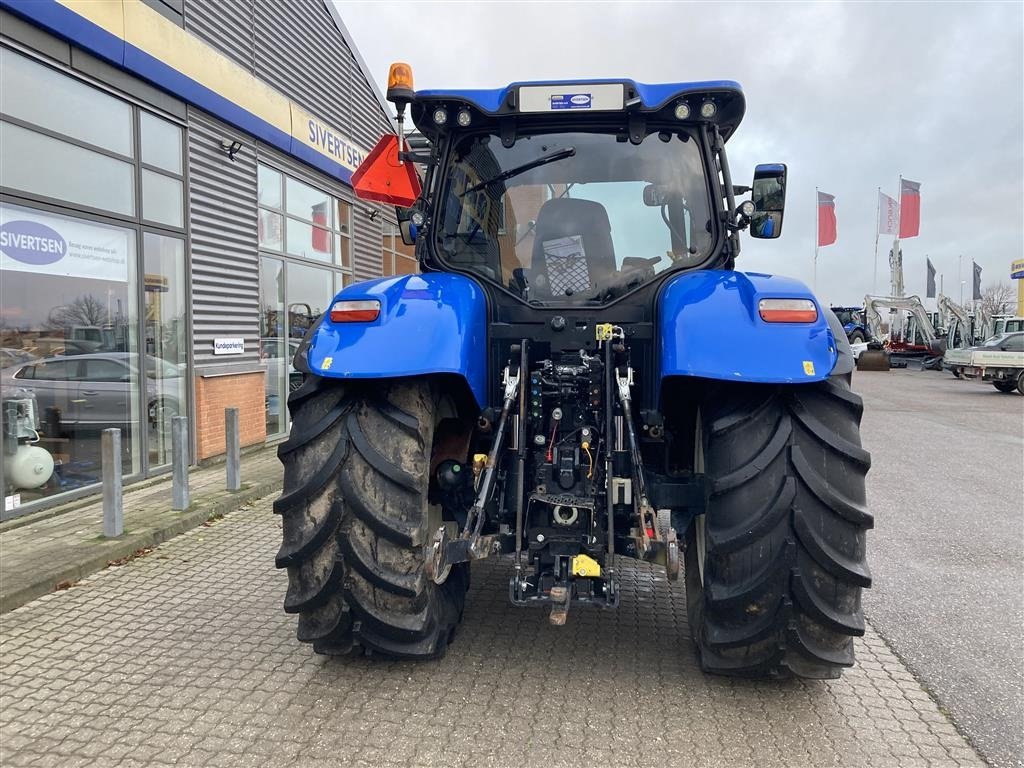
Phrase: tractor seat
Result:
[573,253]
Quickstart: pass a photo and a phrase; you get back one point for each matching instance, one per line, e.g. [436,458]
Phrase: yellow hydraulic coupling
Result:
[585,566]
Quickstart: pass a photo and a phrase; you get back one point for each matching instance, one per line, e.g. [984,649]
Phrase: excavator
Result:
[916,339]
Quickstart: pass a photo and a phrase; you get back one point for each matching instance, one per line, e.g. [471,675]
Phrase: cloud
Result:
[849,96]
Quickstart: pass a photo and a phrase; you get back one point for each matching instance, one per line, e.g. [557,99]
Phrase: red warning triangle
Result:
[385,179]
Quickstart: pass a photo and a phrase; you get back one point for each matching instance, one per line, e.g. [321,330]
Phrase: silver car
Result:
[95,390]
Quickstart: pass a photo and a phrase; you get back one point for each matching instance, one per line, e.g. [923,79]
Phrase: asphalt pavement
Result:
[947,553]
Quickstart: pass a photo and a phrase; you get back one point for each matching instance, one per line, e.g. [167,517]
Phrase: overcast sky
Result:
[849,96]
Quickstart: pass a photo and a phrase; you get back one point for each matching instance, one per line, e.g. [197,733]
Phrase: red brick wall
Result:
[243,391]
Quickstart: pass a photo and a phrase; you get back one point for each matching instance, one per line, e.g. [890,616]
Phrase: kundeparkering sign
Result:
[50,244]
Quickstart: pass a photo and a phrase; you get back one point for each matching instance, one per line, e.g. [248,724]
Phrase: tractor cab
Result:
[571,194]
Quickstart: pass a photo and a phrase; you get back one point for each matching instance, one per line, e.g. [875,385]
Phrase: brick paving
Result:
[184,657]
[65,544]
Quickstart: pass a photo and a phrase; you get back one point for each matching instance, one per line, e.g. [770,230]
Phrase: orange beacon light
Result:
[400,90]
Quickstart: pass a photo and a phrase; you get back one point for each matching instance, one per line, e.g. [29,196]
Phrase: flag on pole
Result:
[888,214]
[910,208]
[930,291]
[977,281]
[826,219]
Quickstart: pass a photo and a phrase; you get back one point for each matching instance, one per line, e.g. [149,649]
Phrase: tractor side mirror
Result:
[769,198]
[410,224]
[653,196]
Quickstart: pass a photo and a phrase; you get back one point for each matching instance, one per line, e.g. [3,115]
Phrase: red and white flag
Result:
[826,219]
[888,214]
[910,208]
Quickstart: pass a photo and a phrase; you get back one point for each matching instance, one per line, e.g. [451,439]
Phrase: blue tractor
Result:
[578,374]
[854,325]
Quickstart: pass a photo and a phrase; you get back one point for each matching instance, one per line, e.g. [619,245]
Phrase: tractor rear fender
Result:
[710,327]
[434,323]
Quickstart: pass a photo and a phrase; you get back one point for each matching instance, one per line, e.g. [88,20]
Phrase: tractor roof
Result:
[559,98]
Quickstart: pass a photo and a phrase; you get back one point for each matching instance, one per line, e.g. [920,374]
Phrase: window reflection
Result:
[308,241]
[166,340]
[46,166]
[161,142]
[307,202]
[42,96]
[272,342]
[67,330]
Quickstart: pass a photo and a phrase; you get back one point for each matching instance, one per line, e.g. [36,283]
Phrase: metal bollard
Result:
[113,509]
[179,463]
[233,449]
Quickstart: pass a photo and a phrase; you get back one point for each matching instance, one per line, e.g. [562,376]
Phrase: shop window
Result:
[42,165]
[308,241]
[36,94]
[299,224]
[75,318]
[307,203]
[344,237]
[271,234]
[162,199]
[272,342]
[161,143]
[268,183]
[300,220]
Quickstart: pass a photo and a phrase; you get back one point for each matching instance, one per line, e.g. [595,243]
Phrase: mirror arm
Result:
[718,144]
[417,157]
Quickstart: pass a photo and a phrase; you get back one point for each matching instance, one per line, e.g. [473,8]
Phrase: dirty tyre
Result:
[1006,387]
[856,337]
[355,519]
[784,534]
[1020,382]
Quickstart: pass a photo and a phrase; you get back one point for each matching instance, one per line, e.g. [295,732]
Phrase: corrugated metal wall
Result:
[294,46]
[225,264]
[225,25]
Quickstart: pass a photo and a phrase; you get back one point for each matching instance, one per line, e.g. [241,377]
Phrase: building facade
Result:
[175,211]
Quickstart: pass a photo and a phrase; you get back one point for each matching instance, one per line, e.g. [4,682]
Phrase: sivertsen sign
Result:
[49,244]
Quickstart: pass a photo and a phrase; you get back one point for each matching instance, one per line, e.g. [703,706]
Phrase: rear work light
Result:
[362,311]
[787,310]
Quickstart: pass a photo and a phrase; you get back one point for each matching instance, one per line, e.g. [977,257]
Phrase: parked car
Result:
[999,360]
[95,390]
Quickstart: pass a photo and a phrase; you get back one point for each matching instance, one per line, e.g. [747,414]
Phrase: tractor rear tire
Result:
[355,520]
[775,569]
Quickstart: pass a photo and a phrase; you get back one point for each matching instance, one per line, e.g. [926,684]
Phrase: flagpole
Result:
[896,268]
[817,227]
[878,216]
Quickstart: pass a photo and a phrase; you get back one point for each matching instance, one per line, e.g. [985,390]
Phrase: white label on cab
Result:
[595,97]
[228,346]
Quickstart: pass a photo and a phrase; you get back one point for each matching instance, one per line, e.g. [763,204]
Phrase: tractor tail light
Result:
[365,311]
[787,310]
